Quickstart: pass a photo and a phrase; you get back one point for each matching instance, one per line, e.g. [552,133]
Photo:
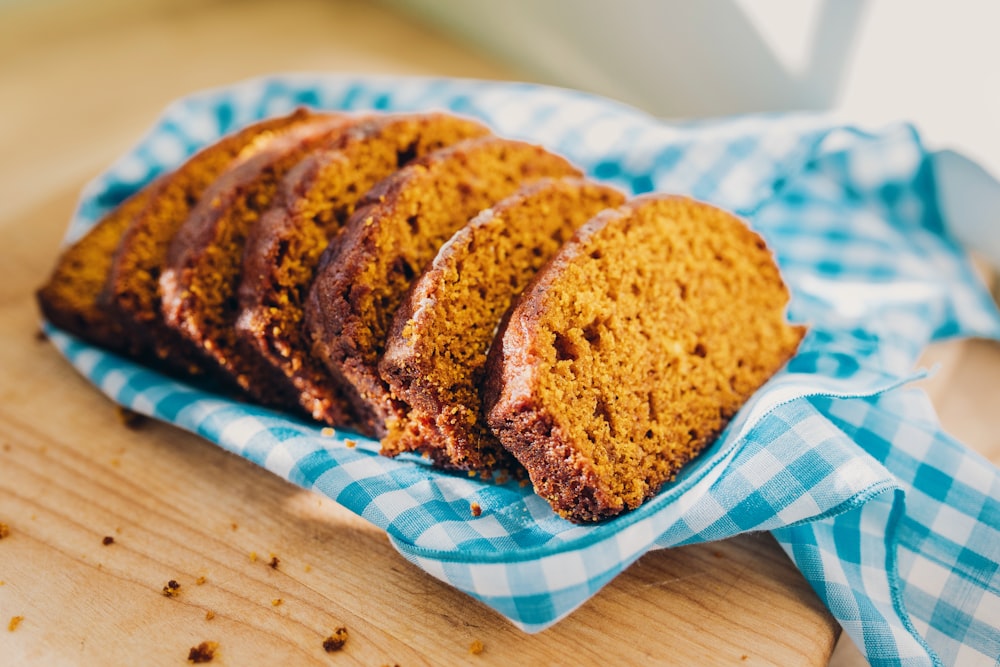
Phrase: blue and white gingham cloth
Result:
[896,526]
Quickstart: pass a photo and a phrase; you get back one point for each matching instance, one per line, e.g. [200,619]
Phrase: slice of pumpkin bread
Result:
[632,349]
[436,353]
[314,201]
[392,236]
[132,282]
[71,298]
[203,265]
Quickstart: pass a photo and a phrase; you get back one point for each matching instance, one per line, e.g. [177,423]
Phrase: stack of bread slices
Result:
[454,293]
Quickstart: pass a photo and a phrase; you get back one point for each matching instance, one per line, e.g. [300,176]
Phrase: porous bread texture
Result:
[392,236]
[283,248]
[202,270]
[632,350]
[71,297]
[436,352]
[132,291]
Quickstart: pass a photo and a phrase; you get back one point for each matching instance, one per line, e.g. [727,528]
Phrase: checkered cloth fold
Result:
[895,525]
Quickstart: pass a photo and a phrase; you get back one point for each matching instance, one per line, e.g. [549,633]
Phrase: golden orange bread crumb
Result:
[200,580]
[476,509]
[632,349]
[276,602]
[4,530]
[393,234]
[476,647]
[15,621]
[436,351]
[314,201]
[336,640]
[209,615]
[253,556]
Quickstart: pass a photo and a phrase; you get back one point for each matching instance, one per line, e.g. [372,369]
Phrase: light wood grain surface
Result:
[79,84]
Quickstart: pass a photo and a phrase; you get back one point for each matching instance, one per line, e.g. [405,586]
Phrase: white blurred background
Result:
[873,61]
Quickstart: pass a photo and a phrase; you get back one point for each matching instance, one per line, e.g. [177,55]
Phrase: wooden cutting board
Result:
[102,515]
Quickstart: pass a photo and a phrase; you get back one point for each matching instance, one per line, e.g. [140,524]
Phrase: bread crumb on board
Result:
[203,652]
[14,622]
[209,615]
[171,589]
[276,602]
[4,530]
[476,647]
[200,580]
[130,418]
[274,562]
[335,641]
[108,541]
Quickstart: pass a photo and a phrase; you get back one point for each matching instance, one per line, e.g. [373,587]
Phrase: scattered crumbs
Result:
[718,554]
[41,336]
[328,432]
[2,582]
[336,641]
[130,418]
[308,568]
[118,530]
[274,562]
[108,541]
[744,656]
[253,556]
[350,444]
[115,462]
[203,652]
[209,615]
[14,622]
[276,602]
[200,580]
[234,526]
[472,473]
[4,530]
[476,647]
[172,589]
[476,508]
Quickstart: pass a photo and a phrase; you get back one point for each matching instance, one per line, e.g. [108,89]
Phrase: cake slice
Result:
[436,352]
[284,246]
[202,269]
[632,349]
[392,236]
[71,298]
[131,295]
